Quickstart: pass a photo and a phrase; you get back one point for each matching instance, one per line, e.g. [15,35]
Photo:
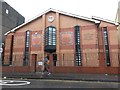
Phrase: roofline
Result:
[74,15]
[105,20]
[54,10]
[7,33]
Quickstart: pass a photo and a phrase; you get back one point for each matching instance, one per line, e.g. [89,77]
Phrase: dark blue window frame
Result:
[50,39]
[50,36]
[77,46]
[27,45]
[106,46]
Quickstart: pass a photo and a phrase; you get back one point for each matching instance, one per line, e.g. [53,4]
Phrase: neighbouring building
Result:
[118,20]
[9,19]
[74,44]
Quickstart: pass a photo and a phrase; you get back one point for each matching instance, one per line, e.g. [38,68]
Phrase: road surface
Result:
[44,83]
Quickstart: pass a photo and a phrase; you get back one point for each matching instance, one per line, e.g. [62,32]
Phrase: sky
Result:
[106,9]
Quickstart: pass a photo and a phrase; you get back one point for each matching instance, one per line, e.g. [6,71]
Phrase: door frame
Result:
[34,62]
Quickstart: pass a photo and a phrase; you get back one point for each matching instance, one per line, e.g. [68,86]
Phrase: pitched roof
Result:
[105,20]
[54,10]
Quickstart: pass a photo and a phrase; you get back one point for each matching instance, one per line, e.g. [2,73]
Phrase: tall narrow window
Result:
[50,39]
[106,46]
[11,51]
[27,44]
[77,46]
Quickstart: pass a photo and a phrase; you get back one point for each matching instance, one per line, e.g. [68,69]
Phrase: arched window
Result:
[50,38]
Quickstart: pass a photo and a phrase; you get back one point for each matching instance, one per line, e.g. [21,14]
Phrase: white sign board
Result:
[1,50]
[40,63]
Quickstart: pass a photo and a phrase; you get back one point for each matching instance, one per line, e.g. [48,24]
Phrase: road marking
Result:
[100,82]
[13,82]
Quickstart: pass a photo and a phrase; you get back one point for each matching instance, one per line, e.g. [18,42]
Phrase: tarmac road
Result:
[45,83]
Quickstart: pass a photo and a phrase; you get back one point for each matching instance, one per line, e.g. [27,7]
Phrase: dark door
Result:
[54,59]
[34,59]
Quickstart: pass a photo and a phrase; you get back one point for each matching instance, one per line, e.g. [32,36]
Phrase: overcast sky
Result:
[101,8]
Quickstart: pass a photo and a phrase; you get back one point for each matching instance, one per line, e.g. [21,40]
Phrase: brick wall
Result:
[18,69]
[89,46]
[7,49]
[113,41]
[87,70]
[65,69]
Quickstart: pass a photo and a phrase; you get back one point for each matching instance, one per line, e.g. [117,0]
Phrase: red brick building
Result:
[73,43]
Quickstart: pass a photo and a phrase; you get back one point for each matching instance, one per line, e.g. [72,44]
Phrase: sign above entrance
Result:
[50,18]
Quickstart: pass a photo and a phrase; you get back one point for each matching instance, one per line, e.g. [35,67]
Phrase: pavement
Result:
[65,76]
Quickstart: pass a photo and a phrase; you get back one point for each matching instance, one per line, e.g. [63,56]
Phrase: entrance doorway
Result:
[53,59]
[34,59]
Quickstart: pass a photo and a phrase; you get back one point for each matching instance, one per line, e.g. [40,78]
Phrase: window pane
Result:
[50,28]
[54,29]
